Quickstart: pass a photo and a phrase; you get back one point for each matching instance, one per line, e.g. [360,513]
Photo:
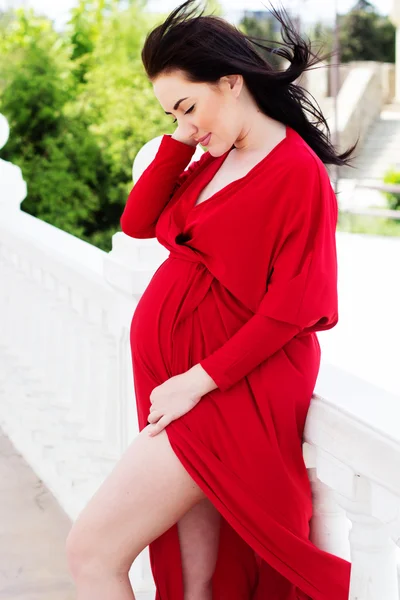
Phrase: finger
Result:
[154,416]
[162,423]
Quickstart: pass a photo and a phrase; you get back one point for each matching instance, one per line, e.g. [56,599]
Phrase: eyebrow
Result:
[176,105]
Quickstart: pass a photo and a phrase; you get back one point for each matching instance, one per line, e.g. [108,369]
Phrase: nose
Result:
[189,130]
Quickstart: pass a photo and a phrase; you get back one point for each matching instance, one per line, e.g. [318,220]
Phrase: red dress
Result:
[251,276]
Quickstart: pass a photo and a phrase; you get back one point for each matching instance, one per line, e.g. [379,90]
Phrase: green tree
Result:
[366,35]
[117,104]
[322,35]
[79,107]
[60,159]
[392,176]
[262,31]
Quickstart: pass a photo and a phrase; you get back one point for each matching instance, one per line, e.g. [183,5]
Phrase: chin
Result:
[219,149]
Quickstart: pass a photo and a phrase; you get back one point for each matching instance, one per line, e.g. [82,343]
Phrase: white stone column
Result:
[329,524]
[373,552]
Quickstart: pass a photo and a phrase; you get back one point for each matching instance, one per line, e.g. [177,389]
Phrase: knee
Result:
[78,552]
[85,556]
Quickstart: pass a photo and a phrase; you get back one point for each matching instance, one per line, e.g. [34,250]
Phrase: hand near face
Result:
[177,135]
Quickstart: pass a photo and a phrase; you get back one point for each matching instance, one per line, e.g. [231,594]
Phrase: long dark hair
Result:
[206,47]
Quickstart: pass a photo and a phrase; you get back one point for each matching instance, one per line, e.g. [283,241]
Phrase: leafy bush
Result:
[369,225]
[392,177]
[366,35]
[79,107]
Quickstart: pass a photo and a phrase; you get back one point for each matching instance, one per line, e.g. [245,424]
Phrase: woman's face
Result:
[203,108]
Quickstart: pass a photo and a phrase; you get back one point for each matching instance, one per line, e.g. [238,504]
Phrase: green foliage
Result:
[117,103]
[214,7]
[60,159]
[366,35]
[34,99]
[262,31]
[369,225]
[79,107]
[392,177]
[322,35]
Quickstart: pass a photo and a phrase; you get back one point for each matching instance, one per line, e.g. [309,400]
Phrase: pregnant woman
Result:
[224,347]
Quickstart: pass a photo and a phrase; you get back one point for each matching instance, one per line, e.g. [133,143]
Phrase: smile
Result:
[204,141]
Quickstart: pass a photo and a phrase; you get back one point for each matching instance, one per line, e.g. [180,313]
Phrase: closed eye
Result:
[189,110]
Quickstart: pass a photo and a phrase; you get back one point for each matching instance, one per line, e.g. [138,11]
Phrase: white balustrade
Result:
[67,398]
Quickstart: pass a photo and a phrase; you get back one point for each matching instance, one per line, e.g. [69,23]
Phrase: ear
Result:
[235,83]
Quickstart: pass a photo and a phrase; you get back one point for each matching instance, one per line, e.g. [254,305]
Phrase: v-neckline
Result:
[240,180]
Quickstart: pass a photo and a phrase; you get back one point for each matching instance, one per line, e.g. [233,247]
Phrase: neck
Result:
[258,132]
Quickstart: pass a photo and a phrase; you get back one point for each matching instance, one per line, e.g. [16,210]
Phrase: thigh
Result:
[147,492]
[198,532]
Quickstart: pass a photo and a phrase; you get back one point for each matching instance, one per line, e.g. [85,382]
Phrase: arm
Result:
[252,344]
[155,187]
[301,293]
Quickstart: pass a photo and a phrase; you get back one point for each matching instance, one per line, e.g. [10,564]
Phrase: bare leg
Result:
[147,492]
[199,539]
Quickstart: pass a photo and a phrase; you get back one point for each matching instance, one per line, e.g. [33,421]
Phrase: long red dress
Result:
[251,276]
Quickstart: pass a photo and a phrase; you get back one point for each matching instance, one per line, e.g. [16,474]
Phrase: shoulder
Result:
[296,171]
[300,159]
[297,180]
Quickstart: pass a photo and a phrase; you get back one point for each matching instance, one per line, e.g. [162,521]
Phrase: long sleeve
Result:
[253,343]
[302,284]
[155,187]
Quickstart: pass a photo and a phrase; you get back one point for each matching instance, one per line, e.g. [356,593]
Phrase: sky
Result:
[310,10]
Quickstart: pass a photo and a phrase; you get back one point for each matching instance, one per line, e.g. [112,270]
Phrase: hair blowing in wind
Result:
[207,47]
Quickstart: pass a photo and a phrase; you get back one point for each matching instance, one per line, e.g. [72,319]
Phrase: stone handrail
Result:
[360,102]
[68,399]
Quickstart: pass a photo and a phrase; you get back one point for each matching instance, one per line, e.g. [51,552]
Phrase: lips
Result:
[204,139]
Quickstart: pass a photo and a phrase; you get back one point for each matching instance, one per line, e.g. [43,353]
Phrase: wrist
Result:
[187,142]
[203,380]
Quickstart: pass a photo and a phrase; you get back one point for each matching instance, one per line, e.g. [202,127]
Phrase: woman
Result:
[225,354]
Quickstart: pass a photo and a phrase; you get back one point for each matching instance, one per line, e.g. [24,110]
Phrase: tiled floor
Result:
[33,530]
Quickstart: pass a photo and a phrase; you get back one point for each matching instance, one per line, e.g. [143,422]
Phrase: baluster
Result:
[62,346]
[68,369]
[33,323]
[45,348]
[373,552]
[7,296]
[329,525]
[97,370]
[113,408]
[81,359]
[129,418]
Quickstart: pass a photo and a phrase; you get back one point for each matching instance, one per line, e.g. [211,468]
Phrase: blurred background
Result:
[75,95]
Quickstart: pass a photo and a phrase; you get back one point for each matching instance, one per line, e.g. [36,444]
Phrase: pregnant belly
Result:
[173,293]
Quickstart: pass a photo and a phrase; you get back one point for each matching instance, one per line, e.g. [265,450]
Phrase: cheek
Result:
[224,122]
[205,121]
[217,117]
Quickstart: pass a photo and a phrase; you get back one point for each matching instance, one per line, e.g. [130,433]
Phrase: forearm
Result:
[252,344]
[152,191]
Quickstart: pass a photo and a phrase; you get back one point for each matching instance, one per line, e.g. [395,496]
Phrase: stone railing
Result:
[353,453]
[67,398]
[365,87]
[360,101]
